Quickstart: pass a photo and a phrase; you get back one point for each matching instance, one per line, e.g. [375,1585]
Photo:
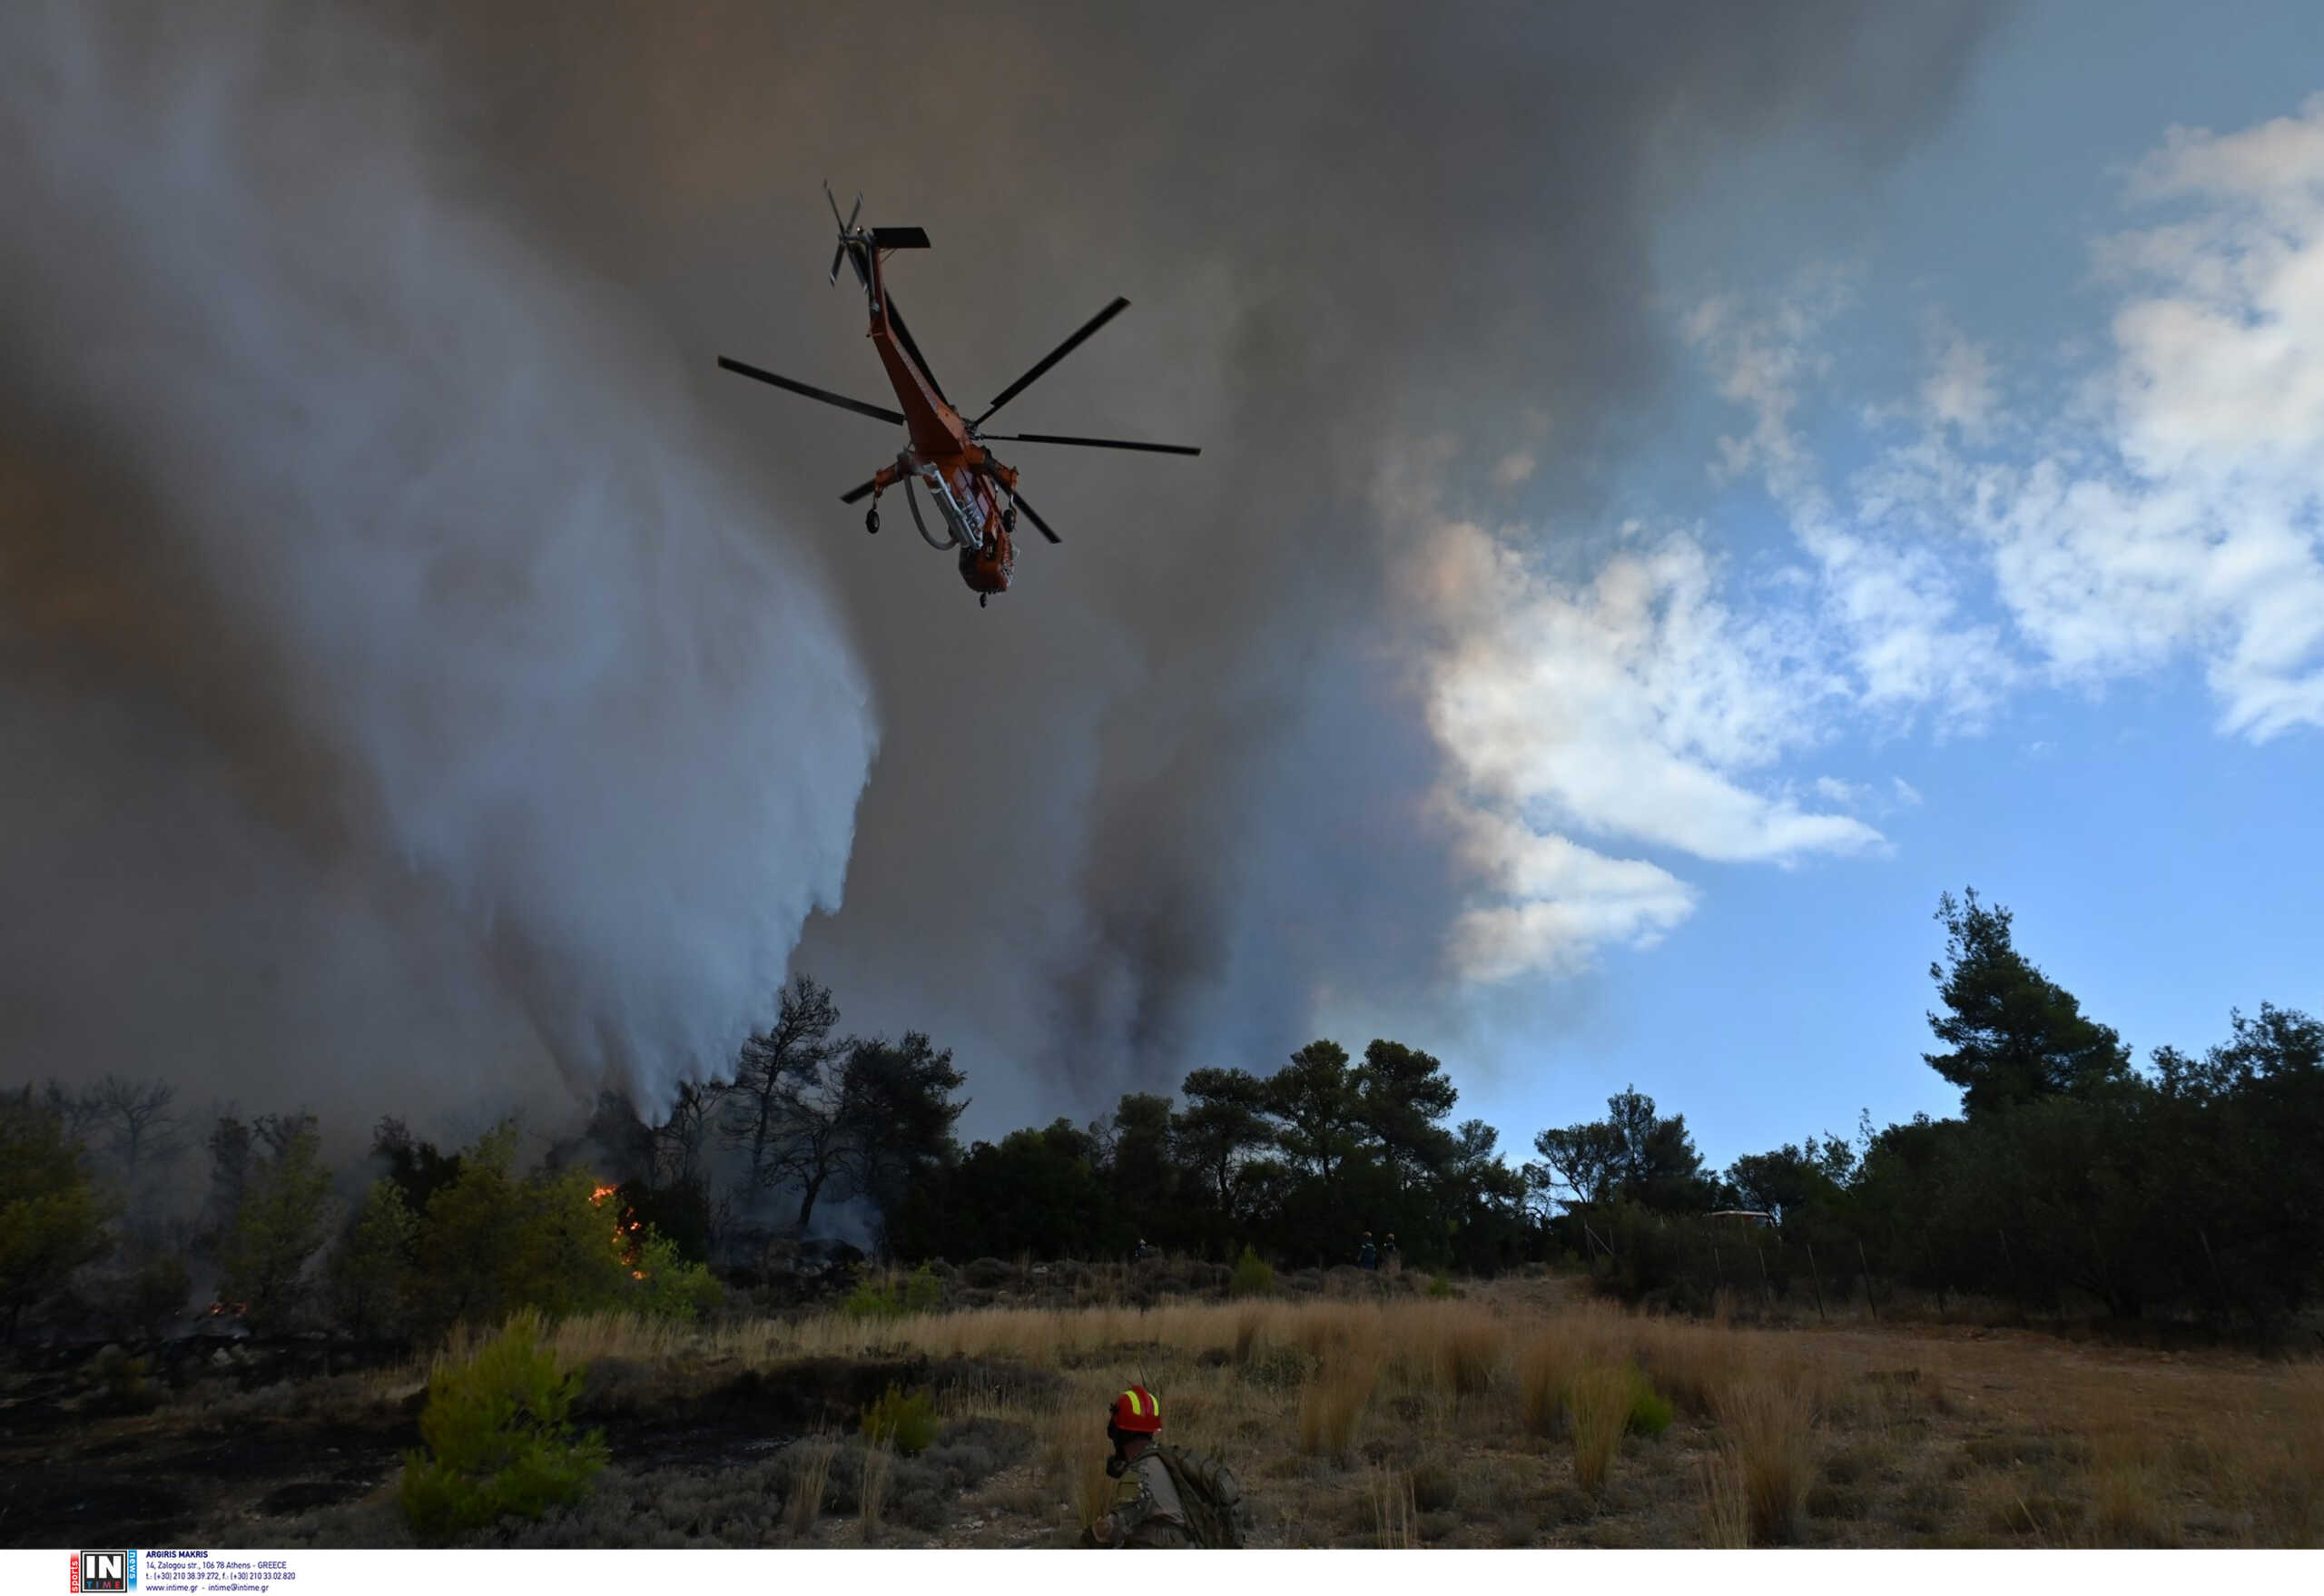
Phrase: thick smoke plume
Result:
[374,538]
[398,689]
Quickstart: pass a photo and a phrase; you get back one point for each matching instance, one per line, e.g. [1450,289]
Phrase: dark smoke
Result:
[398,694]
[1150,809]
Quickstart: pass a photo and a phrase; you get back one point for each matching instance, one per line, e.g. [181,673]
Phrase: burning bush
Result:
[499,1438]
[490,1242]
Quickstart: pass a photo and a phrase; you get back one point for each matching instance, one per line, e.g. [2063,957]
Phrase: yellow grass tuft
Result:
[873,1495]
[1332,1404]
[1546,1368]
[1598,1407]
[1469,1355]
[807,1486]
[1392,1509]
[2126,1492]
[1727,1504]
[1770,1438]
[1078,1452]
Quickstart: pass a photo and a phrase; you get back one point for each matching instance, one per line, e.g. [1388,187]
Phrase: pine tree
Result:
[2015,1035]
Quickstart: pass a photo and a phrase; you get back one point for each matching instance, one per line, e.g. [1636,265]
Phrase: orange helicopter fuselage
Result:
[942,455]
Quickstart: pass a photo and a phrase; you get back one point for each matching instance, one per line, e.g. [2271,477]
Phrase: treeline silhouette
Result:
[2070,1180]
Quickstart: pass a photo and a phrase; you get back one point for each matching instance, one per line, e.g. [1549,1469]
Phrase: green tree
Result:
[1792,1177]
[899,1112]
[1579,1160]
[775,1067]
[52,1220]
[2015,1035]
[1223,1124]
[1402,1095]
[1145,1179]
[1635,1155]
[284,1217]
[368,1271]
[1314,1098]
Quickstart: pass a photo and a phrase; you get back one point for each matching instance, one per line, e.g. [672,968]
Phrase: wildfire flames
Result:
[625,1228]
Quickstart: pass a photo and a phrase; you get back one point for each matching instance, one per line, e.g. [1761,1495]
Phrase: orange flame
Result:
[624,1228]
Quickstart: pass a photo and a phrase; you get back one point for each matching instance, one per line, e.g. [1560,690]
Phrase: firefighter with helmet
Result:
[1148,1510]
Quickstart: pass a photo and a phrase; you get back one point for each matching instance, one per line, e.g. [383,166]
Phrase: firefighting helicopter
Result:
[975,495]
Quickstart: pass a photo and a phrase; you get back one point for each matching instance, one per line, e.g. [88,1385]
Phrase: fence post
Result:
[1817,1276]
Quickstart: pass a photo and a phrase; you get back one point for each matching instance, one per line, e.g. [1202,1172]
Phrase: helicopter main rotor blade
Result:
[1034,516]
[1152,449]
[859,491]
[1053,357]
[877,412]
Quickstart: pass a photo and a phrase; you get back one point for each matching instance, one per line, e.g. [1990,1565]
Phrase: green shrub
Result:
[498,1439]
[52,1219]
[1253,1276]
[668,1286]
[922,1292]
[1651,1411]
[907,1423]
[1440,1286]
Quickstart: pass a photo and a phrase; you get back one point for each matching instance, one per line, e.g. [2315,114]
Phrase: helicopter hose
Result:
[953,539]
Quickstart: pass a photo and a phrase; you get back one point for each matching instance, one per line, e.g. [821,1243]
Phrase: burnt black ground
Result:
[213,1442]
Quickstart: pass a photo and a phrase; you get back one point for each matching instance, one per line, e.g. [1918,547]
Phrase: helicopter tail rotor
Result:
[847,237]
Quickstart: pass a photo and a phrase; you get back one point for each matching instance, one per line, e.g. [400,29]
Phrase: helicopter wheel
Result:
[1009,519]
[981,598]
[871,522]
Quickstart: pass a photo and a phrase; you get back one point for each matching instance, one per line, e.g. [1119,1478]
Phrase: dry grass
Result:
[1771,1439]
[1546,1368]
[1332,1404]
[871,1496]
[1469,1355]
[1394,1511]
[2128,1489]
[1424,1421]
[1727,1503]
[808,1486]
[1077,1454]
[1598,1407]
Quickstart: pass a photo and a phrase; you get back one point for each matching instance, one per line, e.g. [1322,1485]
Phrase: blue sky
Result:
[2100,690]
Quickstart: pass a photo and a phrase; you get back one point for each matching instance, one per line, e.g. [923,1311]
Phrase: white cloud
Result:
[1893,599]
[1515,466]
[2165,506]
[2168,504]
[1550,902]
[1960,390]
[1626,708]
[2176,511]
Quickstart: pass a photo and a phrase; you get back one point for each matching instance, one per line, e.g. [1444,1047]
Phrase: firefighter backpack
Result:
[1213,1501]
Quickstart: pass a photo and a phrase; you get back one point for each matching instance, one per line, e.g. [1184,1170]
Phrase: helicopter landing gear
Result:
[871,522]
[1009,519]
[981,598]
